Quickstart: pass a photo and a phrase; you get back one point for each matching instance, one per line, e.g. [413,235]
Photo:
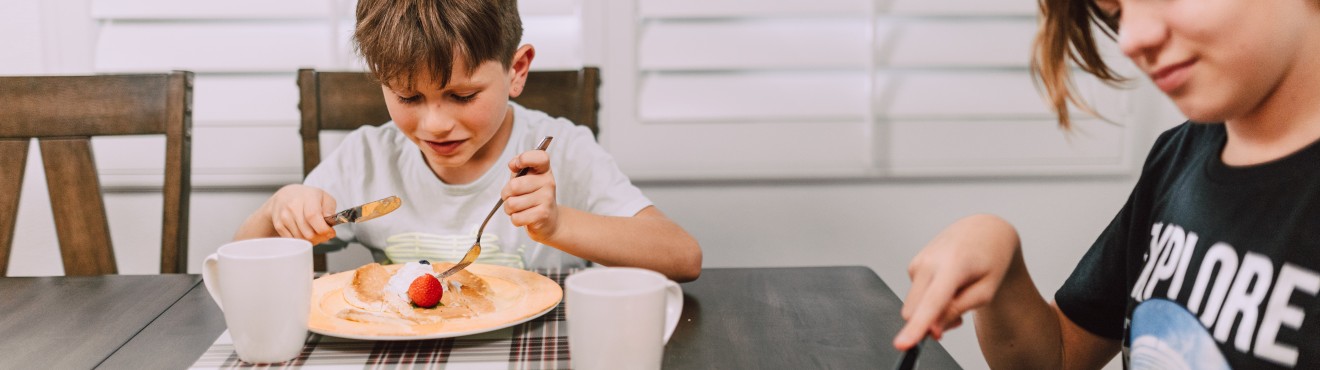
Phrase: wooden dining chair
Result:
[344,101]
[63,113]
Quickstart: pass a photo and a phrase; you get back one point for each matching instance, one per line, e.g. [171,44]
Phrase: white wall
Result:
[875,222]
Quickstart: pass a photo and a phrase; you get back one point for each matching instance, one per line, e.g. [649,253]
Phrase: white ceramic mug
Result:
[620,317]
[264,287]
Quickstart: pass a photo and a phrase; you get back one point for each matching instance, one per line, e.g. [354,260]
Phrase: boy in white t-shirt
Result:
[448,70]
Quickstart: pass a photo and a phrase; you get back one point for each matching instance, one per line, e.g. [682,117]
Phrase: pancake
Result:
[466,295]
[368,288]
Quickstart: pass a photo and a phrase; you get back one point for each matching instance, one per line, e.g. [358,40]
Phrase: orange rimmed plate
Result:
[518,295]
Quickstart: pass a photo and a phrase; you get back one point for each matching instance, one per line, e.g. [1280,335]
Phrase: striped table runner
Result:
[541,343]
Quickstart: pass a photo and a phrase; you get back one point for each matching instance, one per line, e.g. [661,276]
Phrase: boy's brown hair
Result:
[1066,34]
[399,38]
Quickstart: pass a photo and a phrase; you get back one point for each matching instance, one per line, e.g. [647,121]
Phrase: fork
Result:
[475,250]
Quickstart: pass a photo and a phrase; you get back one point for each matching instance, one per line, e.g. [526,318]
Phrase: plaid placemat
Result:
[541,343]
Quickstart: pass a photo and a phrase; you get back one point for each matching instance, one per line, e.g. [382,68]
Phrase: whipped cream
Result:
[397,287]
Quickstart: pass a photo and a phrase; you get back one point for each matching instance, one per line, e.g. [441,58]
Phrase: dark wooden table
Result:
[742,318]
[77,322]
[791,318]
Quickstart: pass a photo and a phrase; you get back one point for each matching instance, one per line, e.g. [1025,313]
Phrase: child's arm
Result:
[295,211]
[647,240]
[976,264]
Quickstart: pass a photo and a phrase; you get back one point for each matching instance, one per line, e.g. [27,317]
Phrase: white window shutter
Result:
[769,89]
[245,54]
[692,89]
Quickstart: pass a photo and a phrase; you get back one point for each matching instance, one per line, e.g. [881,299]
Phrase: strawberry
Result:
[425,291]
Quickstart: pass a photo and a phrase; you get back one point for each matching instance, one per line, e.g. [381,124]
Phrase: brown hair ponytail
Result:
[1066,34]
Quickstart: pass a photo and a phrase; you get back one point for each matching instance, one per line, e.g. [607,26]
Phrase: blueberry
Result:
[423,262]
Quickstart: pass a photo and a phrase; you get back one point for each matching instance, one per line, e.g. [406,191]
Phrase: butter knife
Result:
[365,212]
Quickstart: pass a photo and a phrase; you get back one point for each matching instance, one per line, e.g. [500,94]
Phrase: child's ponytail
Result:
[1066,34]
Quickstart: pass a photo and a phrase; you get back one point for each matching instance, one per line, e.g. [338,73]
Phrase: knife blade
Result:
[365,212]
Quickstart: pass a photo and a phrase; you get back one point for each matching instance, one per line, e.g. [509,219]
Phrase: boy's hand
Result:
[298,211]
[530,200]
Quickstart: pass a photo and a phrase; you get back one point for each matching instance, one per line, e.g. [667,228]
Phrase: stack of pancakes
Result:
[466,295]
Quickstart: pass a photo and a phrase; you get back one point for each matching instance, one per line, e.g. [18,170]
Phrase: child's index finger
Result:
[535,161]
[522,165]
[928,310]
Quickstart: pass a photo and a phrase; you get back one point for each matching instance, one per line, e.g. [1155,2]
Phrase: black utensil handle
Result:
[909,359]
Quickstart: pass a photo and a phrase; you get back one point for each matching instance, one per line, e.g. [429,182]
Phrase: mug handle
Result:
[673,307]
[211,276]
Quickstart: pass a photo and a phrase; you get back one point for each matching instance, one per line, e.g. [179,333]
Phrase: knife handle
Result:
[342,216]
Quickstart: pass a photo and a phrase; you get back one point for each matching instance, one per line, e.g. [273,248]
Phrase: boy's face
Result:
[455,125]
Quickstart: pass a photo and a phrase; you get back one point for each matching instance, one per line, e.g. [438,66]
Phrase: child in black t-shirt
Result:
[1212,262]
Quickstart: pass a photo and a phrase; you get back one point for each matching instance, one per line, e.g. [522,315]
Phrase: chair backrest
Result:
[348,100]
[63,113]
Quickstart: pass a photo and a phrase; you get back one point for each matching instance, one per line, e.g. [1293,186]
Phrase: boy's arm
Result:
[257,225]
[647,240]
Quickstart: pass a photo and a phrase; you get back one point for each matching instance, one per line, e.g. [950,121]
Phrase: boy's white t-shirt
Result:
[375,162]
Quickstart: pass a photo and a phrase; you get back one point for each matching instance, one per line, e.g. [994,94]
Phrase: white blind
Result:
[839,88]
[245,54]
[692,89]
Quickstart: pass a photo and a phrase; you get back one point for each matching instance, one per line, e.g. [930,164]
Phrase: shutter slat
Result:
[222,156]
[954,43]
[231,99]
[756,44]
[268,46]
[1018,147]
[750,8]
[768,96]
[976,95]
[229,9]
[783,148]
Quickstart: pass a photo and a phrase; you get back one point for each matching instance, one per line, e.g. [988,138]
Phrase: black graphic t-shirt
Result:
[1208,266]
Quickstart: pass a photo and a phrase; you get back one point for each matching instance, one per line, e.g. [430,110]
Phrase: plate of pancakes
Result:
[481,298]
